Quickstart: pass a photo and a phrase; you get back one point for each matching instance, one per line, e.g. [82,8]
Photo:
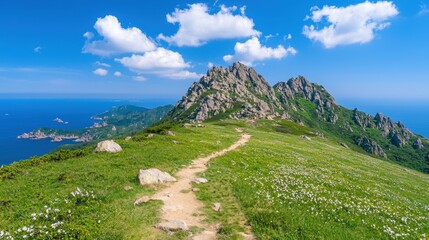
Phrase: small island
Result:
[118,120]
[59,120]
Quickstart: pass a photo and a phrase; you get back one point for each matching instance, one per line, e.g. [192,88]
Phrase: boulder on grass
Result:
[153,176]
[170,133]
[108,146]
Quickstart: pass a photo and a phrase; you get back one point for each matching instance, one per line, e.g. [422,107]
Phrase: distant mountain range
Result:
[240,92]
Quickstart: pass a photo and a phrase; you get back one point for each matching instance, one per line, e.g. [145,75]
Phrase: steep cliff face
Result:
[240,92]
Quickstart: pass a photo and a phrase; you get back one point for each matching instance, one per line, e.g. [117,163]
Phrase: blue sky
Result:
[377,50]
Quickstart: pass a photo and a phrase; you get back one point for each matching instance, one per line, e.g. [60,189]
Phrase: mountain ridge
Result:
[240,92]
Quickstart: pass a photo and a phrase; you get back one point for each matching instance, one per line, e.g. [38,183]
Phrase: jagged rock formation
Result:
[301,87]
[240,92]
[371,147]
[236,91]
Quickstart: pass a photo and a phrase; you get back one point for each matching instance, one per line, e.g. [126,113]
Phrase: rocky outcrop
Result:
[153,176]
[418,144]
[108,146]
[236,91]
[301,87]
[362,119]
[371,147]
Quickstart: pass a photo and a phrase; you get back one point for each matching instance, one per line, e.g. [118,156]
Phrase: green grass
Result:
[290,188]
[111,215]
[279,185]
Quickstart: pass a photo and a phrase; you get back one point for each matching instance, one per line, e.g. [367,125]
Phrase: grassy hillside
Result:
[281,185]
[292,188]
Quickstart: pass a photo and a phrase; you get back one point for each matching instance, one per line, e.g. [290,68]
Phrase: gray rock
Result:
[319,134]
[170,133]
[371,147]
[217,207]
[397,140]
[141,200]
[418,144]
[200,180]
[153,176]
[306,138]
[128,138]
[173,226]
[150,135]
[108,146]
[128,188]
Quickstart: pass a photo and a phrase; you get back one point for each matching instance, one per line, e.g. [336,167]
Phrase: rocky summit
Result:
[240,92]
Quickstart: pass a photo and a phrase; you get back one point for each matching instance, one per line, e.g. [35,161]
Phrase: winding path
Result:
[180,202]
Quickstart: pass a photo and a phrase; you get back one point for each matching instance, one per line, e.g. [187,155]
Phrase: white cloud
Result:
[210,65]
[139,78]
[424,9]
[100,72]
[38,49]
[181,75]
[267,37]
[161,62]
[88,35]
[197,25]
[117,74]
[158,59]
[288,37]
[98,63]
[351,24]
[243,10]
[116,39]
[252,51]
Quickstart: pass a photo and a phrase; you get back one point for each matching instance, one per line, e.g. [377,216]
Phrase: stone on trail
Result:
[108,146]
[143,199]
[153,176]
[173,226]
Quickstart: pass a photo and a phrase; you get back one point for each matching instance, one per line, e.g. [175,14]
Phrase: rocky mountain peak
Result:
[236,91]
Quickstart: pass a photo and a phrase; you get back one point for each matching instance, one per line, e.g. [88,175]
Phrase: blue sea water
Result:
[18,116]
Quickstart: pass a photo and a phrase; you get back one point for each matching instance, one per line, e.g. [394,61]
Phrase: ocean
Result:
[18,116]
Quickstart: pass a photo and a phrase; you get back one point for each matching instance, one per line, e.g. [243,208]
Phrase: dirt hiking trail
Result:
[180,203]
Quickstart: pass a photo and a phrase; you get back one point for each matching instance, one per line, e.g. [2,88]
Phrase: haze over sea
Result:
[23,115]
[18,116]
